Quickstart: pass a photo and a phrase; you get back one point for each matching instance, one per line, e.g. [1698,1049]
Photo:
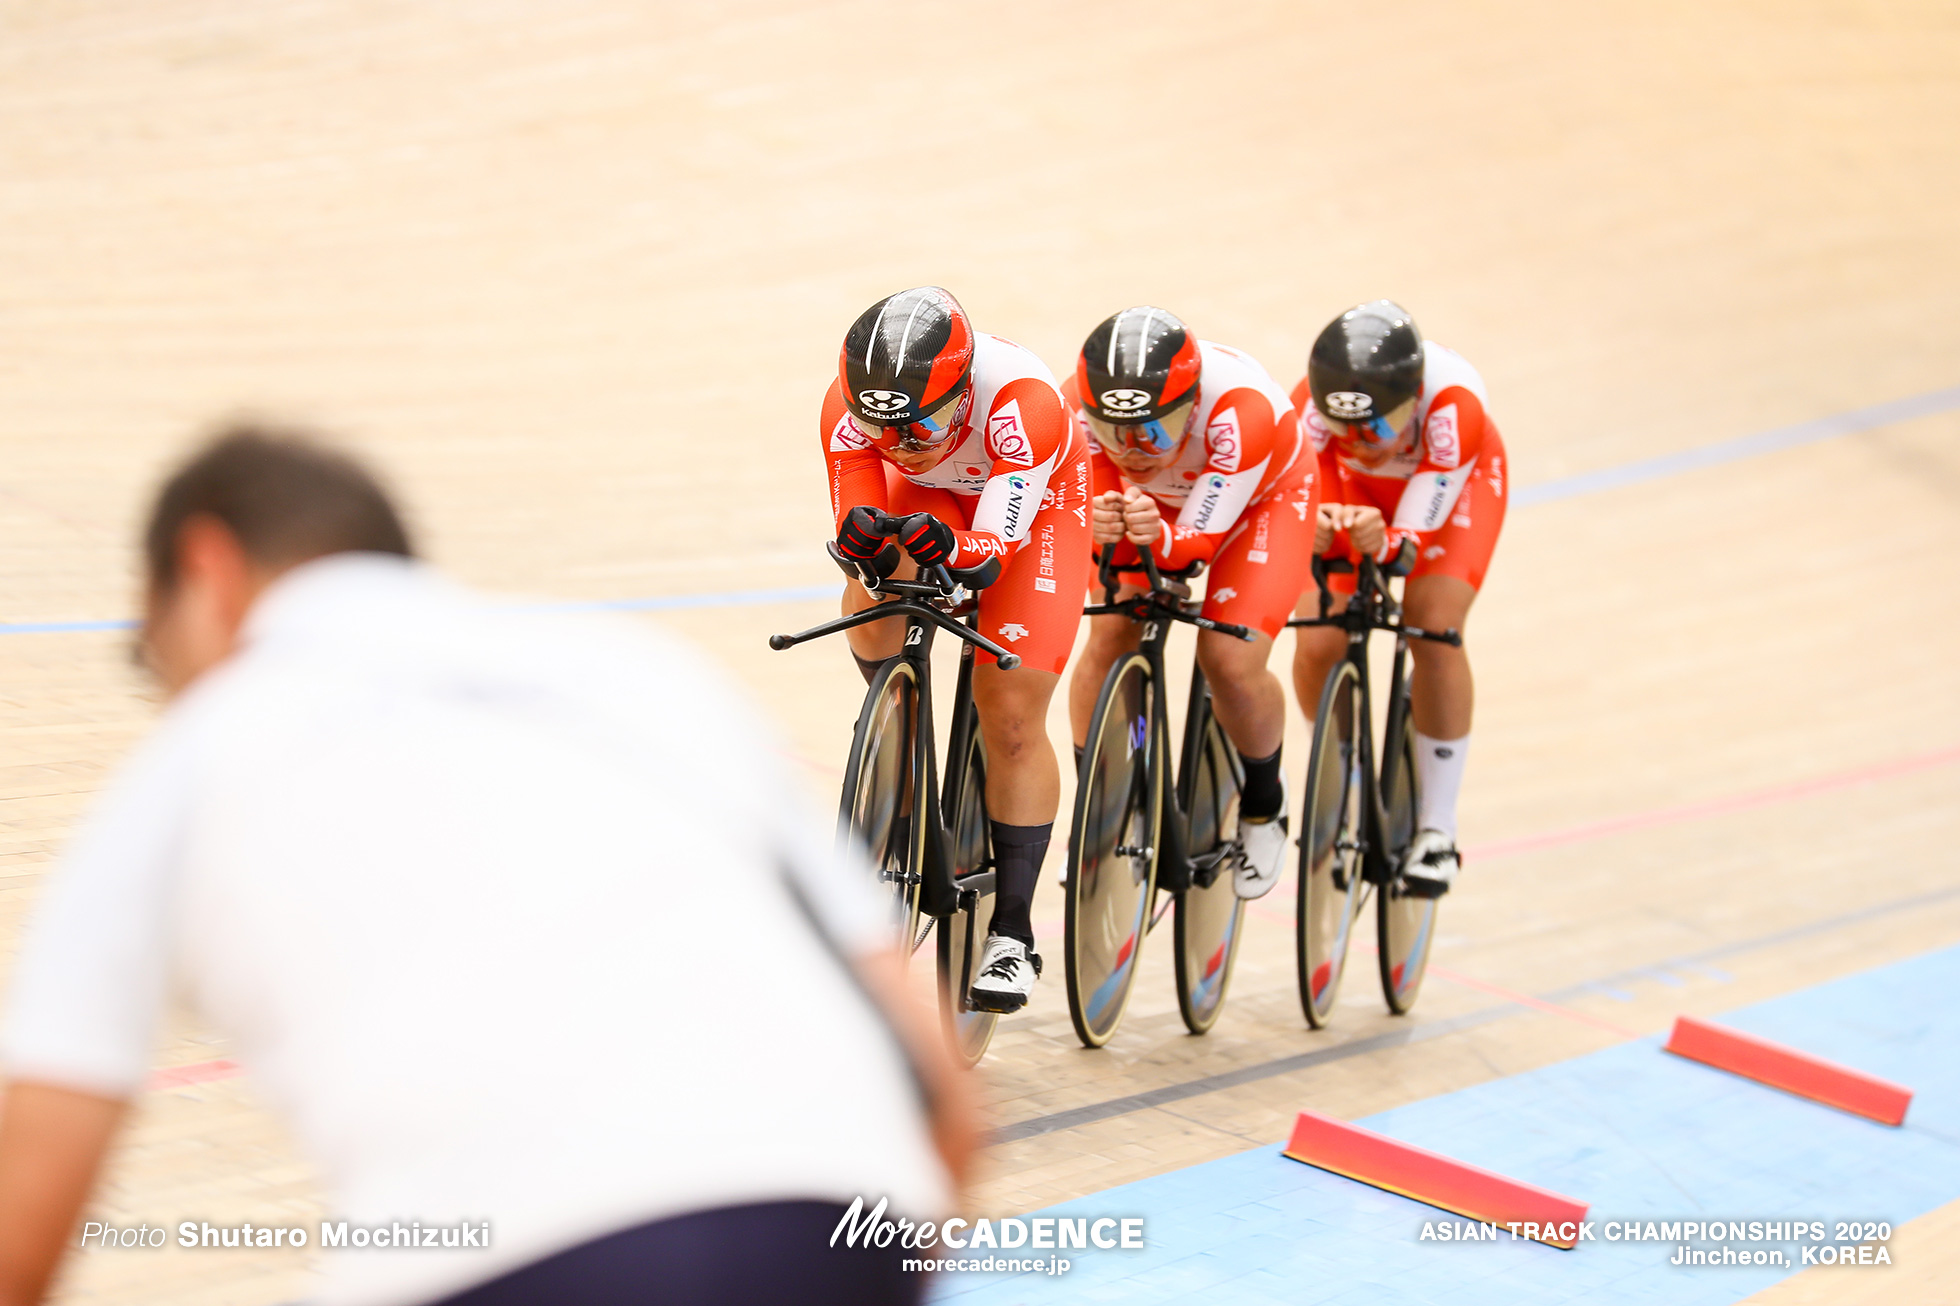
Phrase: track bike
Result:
[1139,830]
[1360,817]
[929,845]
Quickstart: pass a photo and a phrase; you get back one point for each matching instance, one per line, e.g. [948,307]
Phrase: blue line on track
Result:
[1569,487]
[675,602]
[1638,1134]
[1747,446]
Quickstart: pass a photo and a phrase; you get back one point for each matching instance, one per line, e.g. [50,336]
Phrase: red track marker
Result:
[1790,1070]
[1437,1180]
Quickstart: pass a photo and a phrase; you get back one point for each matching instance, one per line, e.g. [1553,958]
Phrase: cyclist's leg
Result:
[1450,569]
[875,641]
[1256,578]
[1034,609]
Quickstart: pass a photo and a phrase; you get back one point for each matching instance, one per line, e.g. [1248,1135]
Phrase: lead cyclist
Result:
[947,447]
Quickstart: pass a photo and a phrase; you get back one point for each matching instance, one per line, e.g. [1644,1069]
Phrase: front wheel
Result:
[1112,851]
[1405,923]
[963,934]
[881,809]
[1331,884]
[1210,911]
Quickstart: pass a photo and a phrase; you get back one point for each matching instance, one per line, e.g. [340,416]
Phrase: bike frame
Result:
[1156,611]
[1371,608]
[928,607]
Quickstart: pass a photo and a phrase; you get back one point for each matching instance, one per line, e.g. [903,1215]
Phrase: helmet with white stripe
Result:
[906,367]
[1138,377]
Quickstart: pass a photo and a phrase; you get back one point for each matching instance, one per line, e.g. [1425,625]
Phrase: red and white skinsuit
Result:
[1241,494]
[1014,486]
[1441,483]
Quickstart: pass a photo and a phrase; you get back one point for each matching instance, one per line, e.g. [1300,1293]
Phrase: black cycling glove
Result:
[926,538]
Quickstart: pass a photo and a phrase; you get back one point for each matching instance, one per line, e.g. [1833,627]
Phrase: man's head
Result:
[252,504]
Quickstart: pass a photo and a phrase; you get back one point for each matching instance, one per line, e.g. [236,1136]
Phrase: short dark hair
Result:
[283,492]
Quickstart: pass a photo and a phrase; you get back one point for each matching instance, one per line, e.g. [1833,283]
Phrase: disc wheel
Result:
[1112,855]
[1210,912]
[968,1030]
[880,810]
[1405,923]
[1331,884]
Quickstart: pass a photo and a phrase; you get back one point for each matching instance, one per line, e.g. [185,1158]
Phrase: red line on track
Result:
[198,1072]
[205,1071]
[1536,1004]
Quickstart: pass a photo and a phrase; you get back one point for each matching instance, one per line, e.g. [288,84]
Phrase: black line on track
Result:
[1076,1117]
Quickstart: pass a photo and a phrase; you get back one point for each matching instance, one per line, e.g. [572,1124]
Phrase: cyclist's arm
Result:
[856,470]
[1248,447]
[1452,438]
[1027,436]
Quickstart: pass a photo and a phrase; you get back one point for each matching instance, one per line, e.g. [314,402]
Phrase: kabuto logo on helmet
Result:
[884,402]
[1125,401]
[1350,405]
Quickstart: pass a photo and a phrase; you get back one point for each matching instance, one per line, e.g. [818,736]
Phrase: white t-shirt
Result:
[495,908]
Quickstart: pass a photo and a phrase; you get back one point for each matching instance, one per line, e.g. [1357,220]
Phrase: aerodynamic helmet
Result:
[1366,364]
[1138,376]
[906,367]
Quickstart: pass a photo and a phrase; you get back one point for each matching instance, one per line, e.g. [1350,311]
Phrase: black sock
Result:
[1264,797]
[868,669]
[1018,850]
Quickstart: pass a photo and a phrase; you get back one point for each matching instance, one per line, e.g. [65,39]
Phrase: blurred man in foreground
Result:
[513,919]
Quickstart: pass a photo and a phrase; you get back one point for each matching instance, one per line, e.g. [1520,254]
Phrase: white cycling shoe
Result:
[1259,869]
[1006,976]
[1431,864]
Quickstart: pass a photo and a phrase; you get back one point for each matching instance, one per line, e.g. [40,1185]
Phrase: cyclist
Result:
[1197,457]
[957,450]
[1412,470]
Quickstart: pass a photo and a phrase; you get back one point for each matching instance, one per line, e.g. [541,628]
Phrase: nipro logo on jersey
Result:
[1214,488]
[1445,449]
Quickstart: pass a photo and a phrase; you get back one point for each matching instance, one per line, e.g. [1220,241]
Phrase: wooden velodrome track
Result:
[574,275]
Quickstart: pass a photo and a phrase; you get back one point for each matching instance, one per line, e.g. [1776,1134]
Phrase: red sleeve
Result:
[857,471]
[1248,447]
[1453,433]
[1452,438]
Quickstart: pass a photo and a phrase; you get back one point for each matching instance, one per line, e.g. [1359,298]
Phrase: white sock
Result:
[1439,776]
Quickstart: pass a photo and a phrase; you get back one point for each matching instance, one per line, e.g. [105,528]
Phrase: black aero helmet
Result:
[1134,369]
[1366,363]
[1136,365]
[906,358]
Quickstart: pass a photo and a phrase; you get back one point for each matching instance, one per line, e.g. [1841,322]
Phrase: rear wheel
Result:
[1405,924]
[1112,853]
[1331,885]
[962,934]
[1210,912]
[880,811]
